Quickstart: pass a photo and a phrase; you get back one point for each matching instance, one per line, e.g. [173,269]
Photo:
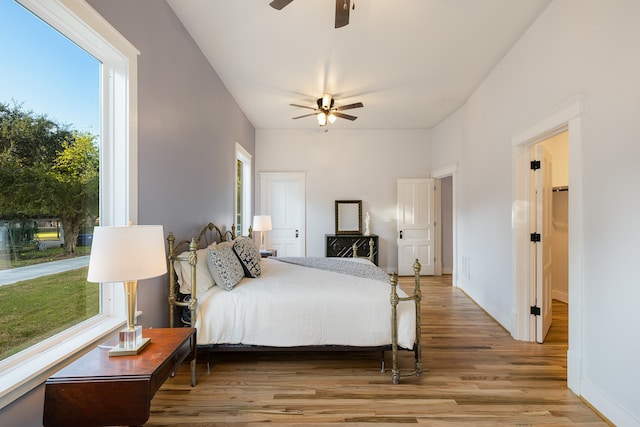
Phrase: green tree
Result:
[75,185]
[47,171]
[29,138]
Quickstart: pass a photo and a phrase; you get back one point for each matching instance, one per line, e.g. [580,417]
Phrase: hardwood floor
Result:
[475,374]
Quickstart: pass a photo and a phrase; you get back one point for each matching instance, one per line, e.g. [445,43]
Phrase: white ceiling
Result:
[411,62]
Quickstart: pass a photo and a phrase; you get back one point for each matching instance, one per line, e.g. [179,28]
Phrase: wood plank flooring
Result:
[475,374]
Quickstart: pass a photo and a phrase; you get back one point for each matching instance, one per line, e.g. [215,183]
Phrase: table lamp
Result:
[127,254]
[262,223]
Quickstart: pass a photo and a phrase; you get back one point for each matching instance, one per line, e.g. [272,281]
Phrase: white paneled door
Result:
[416,213]
[544,209]
[282,195]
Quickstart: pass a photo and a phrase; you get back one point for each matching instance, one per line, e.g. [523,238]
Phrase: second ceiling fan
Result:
[327,112]
[342,10]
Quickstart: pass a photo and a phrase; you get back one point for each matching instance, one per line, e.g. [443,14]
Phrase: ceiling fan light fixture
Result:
[322,119]
[326,101]
[332,118]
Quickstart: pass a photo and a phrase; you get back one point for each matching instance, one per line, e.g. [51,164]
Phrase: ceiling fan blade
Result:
[344,116]
[306,115]
[350,106]
[279,4]
[342,12]
[302,106]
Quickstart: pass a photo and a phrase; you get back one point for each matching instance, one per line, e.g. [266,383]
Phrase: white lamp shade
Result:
[262,223]
[127,253]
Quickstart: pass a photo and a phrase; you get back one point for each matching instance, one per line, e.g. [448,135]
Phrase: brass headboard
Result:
[209,234]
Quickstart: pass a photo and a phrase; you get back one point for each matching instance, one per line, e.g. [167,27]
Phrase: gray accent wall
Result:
[188,124]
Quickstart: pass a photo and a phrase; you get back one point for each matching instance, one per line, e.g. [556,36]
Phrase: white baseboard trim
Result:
[503,319]
[607,407]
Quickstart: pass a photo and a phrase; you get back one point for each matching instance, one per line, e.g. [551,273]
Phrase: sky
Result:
[46,72]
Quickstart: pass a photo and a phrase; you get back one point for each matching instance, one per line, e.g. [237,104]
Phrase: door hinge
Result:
[535,165]
[535,310]
[535,237]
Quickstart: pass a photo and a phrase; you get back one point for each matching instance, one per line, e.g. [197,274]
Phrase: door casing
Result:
[567,117]
[439,174]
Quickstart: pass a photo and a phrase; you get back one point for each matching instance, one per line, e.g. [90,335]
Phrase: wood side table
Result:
[97,390]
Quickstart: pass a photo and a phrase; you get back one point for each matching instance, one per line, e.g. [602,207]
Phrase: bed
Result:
[300,303]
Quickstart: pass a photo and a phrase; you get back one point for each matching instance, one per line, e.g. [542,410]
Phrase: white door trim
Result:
[567,117]
[440,173]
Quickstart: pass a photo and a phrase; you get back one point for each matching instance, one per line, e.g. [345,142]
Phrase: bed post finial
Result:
[171,239]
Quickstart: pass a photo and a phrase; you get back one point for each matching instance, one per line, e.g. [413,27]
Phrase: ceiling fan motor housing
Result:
[325,105]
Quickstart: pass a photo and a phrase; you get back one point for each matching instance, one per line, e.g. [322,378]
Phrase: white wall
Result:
[348,165]
[585,47]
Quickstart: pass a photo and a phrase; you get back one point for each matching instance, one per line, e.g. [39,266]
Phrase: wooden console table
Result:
[97,390]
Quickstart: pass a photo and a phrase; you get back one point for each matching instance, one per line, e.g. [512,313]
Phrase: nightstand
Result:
[268,252]
[100,390]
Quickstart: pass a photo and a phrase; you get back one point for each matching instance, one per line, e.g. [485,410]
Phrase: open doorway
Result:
[566,118]
[556,240]
[446,255]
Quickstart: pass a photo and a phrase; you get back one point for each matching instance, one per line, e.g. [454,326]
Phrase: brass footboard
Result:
[395,300]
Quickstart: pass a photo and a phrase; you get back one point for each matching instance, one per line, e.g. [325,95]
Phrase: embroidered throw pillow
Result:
[224,266]
[248,255]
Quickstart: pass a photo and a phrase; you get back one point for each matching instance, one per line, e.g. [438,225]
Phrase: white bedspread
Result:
[291,305]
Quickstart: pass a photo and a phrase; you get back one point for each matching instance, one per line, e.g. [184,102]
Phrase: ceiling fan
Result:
[326,112]
[342,9]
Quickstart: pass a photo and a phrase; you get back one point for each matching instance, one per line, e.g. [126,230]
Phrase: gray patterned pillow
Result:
[248,255]
[224,266]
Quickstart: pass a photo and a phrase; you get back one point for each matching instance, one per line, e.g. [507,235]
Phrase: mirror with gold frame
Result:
[348,216]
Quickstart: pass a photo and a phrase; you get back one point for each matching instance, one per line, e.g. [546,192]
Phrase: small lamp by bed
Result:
[262,223]
[127,254]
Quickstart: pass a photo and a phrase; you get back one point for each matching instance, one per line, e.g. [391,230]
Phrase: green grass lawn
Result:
[34,310]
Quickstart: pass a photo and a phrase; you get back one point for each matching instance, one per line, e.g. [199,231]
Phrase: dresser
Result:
[341,245]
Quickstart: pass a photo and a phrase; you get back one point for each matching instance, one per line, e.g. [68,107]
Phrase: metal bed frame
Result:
[212,233]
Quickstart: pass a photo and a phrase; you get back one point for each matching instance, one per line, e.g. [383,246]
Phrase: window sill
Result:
[27,370]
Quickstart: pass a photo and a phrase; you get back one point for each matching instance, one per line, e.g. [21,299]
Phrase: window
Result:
[118,195]
[49,124]
[243,191]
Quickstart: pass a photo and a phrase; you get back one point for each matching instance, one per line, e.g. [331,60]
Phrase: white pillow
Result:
[204,281]
[224,266]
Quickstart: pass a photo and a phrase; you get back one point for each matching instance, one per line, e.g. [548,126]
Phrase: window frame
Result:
[245,157]
[80,23]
